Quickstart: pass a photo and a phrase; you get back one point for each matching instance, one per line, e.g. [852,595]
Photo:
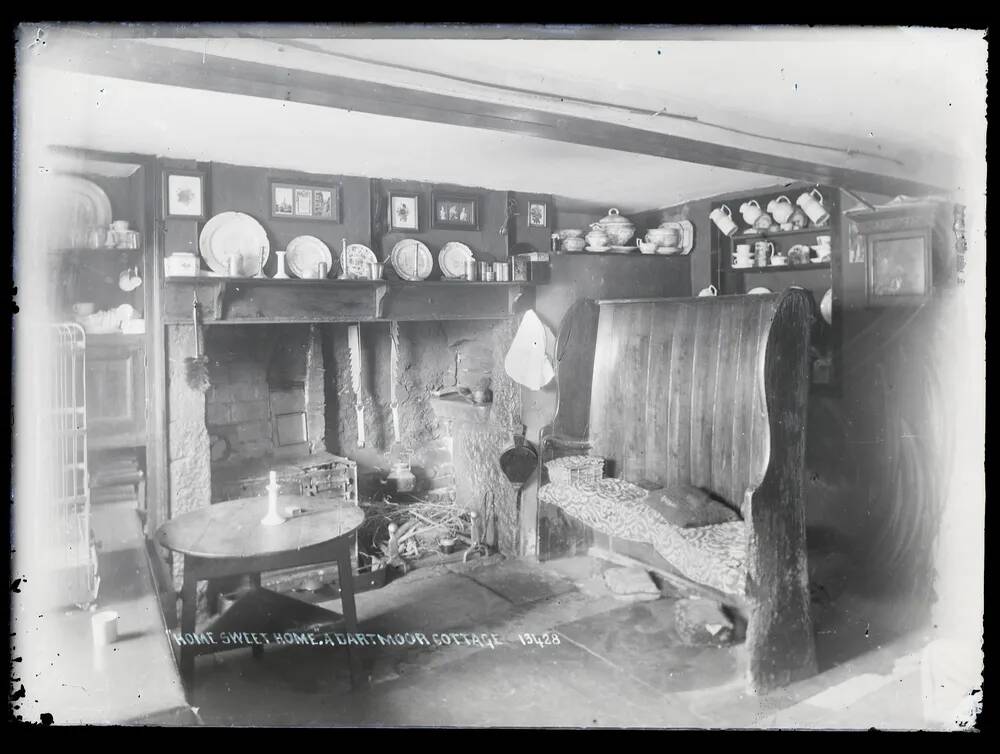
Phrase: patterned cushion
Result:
[687,506]
[711,555]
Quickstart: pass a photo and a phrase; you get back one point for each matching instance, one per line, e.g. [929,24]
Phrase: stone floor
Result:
[597,662]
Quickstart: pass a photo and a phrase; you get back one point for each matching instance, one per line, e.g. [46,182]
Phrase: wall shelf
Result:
[767,235]
[776,268]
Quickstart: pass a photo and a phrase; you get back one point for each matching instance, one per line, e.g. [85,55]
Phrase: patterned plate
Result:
[354,261]
[230,233]
[304,254]
[411,260]
[79,207]
[452,259]
[760,290]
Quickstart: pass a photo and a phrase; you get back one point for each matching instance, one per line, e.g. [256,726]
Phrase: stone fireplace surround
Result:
[283,392]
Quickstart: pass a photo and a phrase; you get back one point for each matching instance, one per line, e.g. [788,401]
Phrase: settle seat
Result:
[709,392]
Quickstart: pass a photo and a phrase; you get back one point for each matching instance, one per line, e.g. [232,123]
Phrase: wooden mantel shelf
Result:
[230,300]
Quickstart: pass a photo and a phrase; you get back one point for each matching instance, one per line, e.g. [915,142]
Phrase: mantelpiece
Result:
[225,300]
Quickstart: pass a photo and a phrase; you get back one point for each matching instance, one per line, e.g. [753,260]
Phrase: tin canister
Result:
[233,265]
[486,272]
[322,270]
[501,272]
[471,269]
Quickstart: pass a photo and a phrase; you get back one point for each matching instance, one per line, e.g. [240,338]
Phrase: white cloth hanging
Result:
[527,361]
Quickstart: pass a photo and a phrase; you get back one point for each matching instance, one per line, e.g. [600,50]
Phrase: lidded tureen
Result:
[619,228]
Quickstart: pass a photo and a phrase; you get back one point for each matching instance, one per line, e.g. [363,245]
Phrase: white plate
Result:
[230,233]
[826,306]
[303,255]
[411,259]
[760,290]
[452,259]
[598,248]
[80,206]
[354,261]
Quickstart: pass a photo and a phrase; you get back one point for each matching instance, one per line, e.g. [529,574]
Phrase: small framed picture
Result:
[538,215]
[303,202]
[456,211]
[184,194]
[899,267]
[404,212]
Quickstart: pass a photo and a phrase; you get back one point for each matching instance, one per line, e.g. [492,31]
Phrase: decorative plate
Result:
[80,207]
[686,231]
[452,259]
[303,255]
[354,261]
[760,290]
[230,233]
[411,260]
[598,248]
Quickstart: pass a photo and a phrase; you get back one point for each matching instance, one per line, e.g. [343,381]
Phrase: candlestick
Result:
[273,517]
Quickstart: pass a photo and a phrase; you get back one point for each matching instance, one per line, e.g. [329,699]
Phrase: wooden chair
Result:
[710,392]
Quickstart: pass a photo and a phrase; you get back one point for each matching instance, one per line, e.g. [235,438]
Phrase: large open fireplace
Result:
[281,398]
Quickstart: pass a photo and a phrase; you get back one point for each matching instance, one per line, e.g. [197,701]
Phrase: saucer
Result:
[598,248]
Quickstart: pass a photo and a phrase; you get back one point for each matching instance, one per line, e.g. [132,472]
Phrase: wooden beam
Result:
[138,61]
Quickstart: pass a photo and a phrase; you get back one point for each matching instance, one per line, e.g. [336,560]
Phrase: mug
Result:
[781,210]
[812,204]
[742,255]
[710,291]
[723,218]
[763,251]
[375,270]
[104,628]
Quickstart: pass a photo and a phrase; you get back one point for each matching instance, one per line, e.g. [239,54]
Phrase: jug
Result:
[750,211]
[812,204]
[781,209]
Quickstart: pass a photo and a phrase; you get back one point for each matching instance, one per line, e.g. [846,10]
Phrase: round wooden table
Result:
[228,539]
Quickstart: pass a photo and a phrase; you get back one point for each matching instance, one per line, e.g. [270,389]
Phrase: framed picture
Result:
[456,211]
[899,267]
[184,194]
[538,215]
[404,212]
[296,201]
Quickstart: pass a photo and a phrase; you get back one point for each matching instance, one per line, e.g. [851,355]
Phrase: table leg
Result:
[346,579]
[257,651]
[189,607]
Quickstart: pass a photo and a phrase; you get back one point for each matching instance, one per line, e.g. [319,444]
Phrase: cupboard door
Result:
[116,394]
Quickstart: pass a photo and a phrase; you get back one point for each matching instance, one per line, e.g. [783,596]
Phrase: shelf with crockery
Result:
[824,265]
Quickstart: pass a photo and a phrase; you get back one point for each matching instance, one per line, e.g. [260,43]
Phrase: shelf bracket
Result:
[380,293]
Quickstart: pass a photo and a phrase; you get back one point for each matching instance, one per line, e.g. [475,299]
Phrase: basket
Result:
[575,469]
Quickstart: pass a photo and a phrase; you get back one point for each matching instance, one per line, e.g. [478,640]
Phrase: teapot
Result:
[597,238]
[619,228]
[750,211]
[781,209]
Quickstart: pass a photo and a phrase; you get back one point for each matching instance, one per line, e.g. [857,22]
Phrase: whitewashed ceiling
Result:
[907,103]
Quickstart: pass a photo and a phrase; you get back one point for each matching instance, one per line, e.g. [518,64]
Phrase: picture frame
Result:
[538,214]
[455,211]
[404,211]
[184,194]
[898,267]
[291,200]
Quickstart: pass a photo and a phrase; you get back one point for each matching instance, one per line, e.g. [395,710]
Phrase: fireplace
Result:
[282,398]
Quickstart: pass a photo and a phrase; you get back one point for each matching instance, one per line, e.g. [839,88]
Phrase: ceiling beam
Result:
[137,61]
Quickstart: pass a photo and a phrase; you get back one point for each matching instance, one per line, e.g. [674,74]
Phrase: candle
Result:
[273,518]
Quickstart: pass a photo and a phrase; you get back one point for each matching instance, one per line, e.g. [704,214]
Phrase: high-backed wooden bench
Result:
[710,392]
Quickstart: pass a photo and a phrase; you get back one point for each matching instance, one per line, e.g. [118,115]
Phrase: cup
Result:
[779,261]
[104,628]
[743,256]
[723,219]
[375,270]
[812,204]
[762,252]
[710,291]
